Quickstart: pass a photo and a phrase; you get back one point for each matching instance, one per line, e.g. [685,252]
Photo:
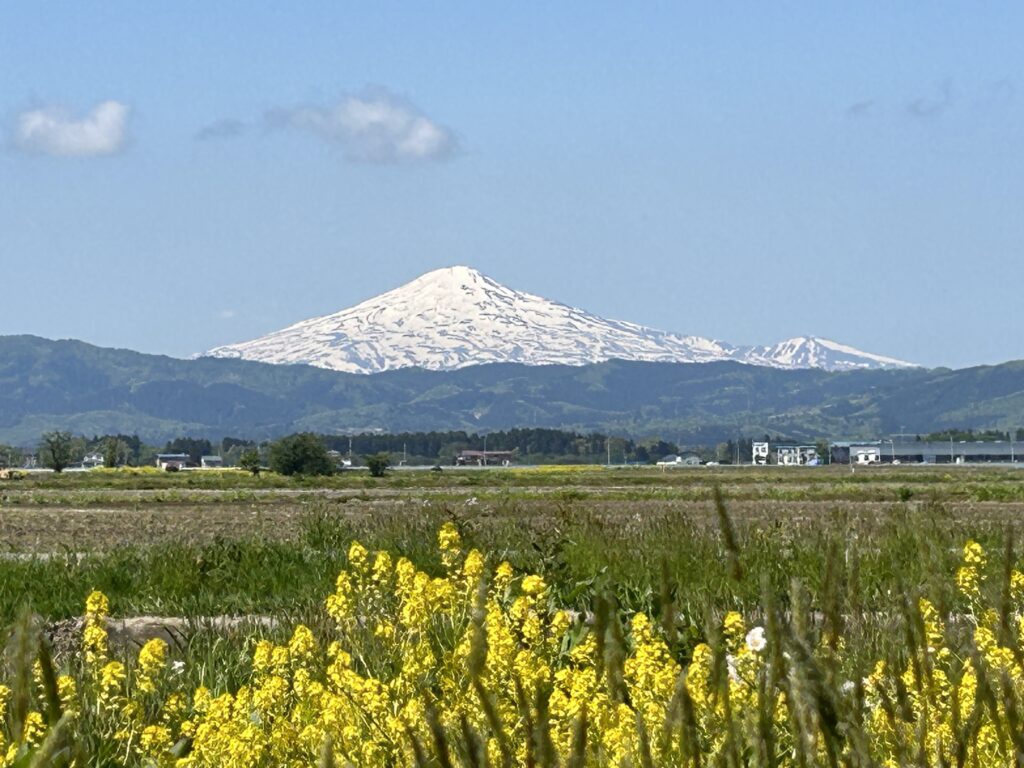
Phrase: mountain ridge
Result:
[457,317]
[46,385]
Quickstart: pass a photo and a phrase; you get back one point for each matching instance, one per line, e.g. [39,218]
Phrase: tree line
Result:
[60,450]
[309,453]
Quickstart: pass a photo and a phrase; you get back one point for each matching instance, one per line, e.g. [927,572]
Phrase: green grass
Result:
[824,552]
[637,535]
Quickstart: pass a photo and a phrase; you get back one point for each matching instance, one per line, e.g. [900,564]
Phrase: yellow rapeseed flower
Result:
[97,605]
[152,660]
[534,585]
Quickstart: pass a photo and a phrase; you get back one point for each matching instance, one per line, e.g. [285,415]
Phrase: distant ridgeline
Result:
[87,390]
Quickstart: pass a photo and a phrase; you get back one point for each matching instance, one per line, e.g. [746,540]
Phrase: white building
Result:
[760,453]
[865,454]
[92,460]
[797,455]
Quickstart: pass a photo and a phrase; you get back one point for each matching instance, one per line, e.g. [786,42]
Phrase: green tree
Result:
[725,453]
[128,448]
[378,463]
[110,453]
[822,448]
[11,456]
[56,450]
[301,454]
[250,461]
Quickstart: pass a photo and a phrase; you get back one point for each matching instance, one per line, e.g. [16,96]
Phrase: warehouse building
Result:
[924,452]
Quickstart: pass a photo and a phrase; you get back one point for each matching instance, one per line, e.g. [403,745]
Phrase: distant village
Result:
[868,452]
[430,450]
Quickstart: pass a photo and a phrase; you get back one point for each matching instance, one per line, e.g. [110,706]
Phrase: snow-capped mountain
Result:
[456,317]
[813,352]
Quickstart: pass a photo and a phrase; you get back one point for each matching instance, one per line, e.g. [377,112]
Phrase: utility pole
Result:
[608,445]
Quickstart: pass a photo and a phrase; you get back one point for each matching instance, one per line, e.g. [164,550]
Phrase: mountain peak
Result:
[456,317]
[449,276]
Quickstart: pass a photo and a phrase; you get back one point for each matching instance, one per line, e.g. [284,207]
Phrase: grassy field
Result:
[218,543]
[843,553]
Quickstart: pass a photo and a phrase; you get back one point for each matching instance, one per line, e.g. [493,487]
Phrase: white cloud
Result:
[227,314]
[374,127]
[55,131]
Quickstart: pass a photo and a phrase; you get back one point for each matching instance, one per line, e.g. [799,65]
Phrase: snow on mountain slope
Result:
[813,352]
[456,317]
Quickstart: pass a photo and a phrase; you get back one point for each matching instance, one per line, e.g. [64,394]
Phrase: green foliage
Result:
[622,532]
[966,435]
[699,404]
[301,454]
[250,461]
[57,450]
[378,463]
[195,448]
[228,443]
[128,448]
[116,452]
[11,456]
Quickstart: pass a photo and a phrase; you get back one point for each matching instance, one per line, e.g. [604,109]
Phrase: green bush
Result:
[378,463]
[250,461]
[301,454]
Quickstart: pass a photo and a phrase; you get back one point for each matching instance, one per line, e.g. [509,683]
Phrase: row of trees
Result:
[530,445]
[311,454]
[301,454]
[970,436]
[308,453]
[534,445]
[61,449]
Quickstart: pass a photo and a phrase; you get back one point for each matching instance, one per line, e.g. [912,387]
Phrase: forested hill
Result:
[75,386]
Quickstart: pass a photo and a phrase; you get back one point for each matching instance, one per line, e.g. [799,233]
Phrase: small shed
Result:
[177,460]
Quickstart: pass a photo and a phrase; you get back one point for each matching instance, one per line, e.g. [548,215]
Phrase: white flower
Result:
[730,665]
[848,686]
[177,667]
[756,641]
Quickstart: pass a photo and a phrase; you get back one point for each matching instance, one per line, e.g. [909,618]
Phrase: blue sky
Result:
[188,174]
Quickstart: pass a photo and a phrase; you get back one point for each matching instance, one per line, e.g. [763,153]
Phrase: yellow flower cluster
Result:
[944,706]
[495,667]
[560,469]
[969,575]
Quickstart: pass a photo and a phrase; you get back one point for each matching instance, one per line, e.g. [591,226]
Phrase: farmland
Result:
[219,543]
[831,554]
